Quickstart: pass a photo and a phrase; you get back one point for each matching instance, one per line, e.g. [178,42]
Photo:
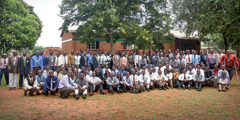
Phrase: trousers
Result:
[13,79]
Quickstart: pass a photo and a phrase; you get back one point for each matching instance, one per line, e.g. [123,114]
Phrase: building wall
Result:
[168,46]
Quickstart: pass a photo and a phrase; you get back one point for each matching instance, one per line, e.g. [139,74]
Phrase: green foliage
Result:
[38,48]
[134,20]
[20,26]
[209,18]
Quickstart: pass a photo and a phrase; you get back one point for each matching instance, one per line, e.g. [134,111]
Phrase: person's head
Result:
[106,66]
[223,67]
[127,74]
[143,72]
[91,52]
[219,51]
[58,70]
[64,53]
[98,70]
[106,71]
[198,67]
[198,72]
[165,71]
[169,50]
[77,53]
[84,53]
[81,76]
[39,72]
[180,57]
[190,68]
[205,51]
[76,73]
[184,71]
[47,68]
[136,69]
[24,53]
[211,51]
[207,68]
[31,74]
[133,72]
[144,67]
[85,72]
[51,52]
[72,52]
[4,55]
[62,67]
[111,74]
[122,67]
[93,73]
[51,73]
[119,74]
[57,54]
[215,67]
[69,73]
[159,72]
[14,53]
[224,74]
[228,52]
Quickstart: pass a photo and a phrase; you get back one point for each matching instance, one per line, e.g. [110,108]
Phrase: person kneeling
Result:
[95,83]
[199,79]
[113,83]
[66,86]
[51,84]
[82,85]
[30,84]
[223,82]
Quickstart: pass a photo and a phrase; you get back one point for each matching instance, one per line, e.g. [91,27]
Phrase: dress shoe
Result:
[224,89]
[10,88]
[77,97]
[91,93]
[164,88]
[84,96]
[120,91]
[220,89]
[179,87]
[183,87]
[64,97]
[148,90]
[111,91]
[25,94]
[30,93]
[160,88]
[20,88]
[14,88]
[102,92]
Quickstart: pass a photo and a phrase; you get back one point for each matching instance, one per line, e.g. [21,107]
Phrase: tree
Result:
[20,26]
[37,48]
[113,19]
[209,18]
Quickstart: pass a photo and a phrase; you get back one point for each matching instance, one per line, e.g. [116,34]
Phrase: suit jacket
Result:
[116,60]
[49,61]
[94,62]
[24,69]
[203,58]
[12,66]
[82,61]
[155,60]
[171,55]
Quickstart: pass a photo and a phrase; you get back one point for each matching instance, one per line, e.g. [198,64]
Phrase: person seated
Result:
[86,76]
[185,79]
[127,83]
[115,71]
[51,84]
[95,83]
[144,80]
[128,69]
[121,83]
[210,77]
[137,88]
[46,71]
[66,86]
[122,71]
[152,78]
[113,83]
[198,79]
[191,71]
[89,71]
[105,76]
[40,80]
[106,68]
[99,74]
[62,70]
[161,81]
[223,68]
[223,82]
[58,74]
[30,84]
[175,78]
[169,76]
[215,70]
[82,84]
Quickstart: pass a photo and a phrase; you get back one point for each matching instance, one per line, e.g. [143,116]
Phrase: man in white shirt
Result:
[113,83]
[30,84]
[188,57]
[153,76]
[185,79]
[145,80]
[160,80]
[127,82]
[77,59]
[138,88]
[95,83]
[58,61]
[198,79]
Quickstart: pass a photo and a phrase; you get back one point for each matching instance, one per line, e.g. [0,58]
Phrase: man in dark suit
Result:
[155,60]
[24,65]
[51,61]
[203,57]
[83,60]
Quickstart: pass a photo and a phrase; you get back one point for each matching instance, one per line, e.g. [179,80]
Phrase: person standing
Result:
[43,57]
[83,60]
[188,57]
[51,61]
[195,58]
[212,59]
[123,60]
[230,62]
[65,59]
[59,61]
[23,68]
[13,70]
[71,58]
[36,63]
[203,57]
[77,59]
[89,59]
[116,59]
[4,68]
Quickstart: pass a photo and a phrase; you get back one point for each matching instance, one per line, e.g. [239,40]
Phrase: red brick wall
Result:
[168,46]
[54,49]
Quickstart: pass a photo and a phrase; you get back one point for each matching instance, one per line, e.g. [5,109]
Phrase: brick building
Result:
[70,42]
[48,49]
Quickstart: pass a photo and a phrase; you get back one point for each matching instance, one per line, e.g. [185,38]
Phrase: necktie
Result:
[5,63]
[65,60]
[184,76]
[133,80]
[24,61]
[57,61]
[69,80]
[188,58]
[37,62]
[51,83]
[228,60]
[14,60]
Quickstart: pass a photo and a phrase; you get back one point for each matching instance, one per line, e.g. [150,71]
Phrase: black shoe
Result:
[64,97]
[189,88]
[38,93]
[84,96]
[25,94]
[160,88]
[179,87]
[30,93]
[111,91]
[199,89]
[148,90]
[164,88]
[183,87]
[77,97]
[10,88]
[120,91]
[46,93]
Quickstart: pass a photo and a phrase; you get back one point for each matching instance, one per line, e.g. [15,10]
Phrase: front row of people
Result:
[133,83]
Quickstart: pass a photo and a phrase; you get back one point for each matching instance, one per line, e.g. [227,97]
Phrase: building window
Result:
[93,45]
[129,47]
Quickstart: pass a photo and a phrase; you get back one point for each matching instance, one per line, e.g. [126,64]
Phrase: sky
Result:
[47,11]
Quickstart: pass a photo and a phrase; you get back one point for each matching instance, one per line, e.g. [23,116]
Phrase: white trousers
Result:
[13,79]
[81,91]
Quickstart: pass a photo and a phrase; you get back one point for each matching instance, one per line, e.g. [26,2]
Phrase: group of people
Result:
[133,72]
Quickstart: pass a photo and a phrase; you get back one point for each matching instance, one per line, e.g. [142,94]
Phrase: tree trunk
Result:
[225,43]
[111,41]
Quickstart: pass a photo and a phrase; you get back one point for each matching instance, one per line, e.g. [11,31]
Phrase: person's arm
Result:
[26,84]
[108,81]
[57,83]
[35,83]
[180,77]
[46,85]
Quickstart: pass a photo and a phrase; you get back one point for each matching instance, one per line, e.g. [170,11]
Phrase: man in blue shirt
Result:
[40,80]
[44,59]
[51,84]
[36,63]
[89,59]
[195,58]
[122,71]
